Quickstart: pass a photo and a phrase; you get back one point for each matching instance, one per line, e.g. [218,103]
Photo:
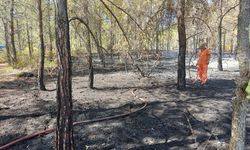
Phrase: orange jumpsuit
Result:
[203,61]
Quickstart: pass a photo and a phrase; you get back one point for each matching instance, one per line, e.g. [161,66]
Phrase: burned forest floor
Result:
[196,118]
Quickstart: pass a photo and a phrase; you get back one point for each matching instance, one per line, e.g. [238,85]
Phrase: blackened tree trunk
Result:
[28,39]
[12,34]
[194,43]
[112,39]
[232,44]
[220,67]
[168,40]
[197,43]
[19,35]
[99,35]
[31,39]
[42,48]
[91,68]
[100,51]
[181,77]
[50,30]
[7,43]
[224,42]
[157,42]
[28,28]
[238,130]
[88,46]
[64,132]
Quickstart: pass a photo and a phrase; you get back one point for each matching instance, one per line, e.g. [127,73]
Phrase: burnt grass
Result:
[196,118]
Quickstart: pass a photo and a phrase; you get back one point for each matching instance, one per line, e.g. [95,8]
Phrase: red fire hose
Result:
[48,131]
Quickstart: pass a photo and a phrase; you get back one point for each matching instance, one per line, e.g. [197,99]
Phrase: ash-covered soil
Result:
[197,118]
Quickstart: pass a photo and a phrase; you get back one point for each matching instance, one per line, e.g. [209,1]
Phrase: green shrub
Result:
[50,64]
[24,61]
[3,57]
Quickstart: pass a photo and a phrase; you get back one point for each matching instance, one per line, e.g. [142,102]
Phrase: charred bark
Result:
[224,43]
[238,129]
[64,131]
[99,37]
[12,34]
[220,67]
[232,44]
[50,32]
[42,48]
[181,76]
[88,46]
[112,39]
[29,40]
[20,47]
[7,41]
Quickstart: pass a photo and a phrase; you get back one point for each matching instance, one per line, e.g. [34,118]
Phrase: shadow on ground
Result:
[198,118]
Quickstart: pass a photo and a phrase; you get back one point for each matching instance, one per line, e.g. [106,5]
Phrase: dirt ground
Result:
[197,118]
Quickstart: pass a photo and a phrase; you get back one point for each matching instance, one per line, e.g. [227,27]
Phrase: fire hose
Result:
[51,130]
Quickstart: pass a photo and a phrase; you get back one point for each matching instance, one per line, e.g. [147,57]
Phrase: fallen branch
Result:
[4,107]
[190,127]
[211,132]
[48,131]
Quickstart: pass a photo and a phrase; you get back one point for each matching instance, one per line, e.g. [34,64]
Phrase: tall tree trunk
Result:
[197,43]
[168,40]
[7,42]
[208,42]
[112,39]
[238,130]
[42,48]
[28,28]
[91,68]
[220,67]
[157,40]
[19,35]
[12,34]
[161,43]
[194,44]
[28,39]
[99,35]
[181,77]
[31,39]
[64,132]
[232,44]
[168,45]
[224,43]
[88,46]
[50,32]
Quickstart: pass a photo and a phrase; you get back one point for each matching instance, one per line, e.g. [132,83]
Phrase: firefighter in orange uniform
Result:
[203,61]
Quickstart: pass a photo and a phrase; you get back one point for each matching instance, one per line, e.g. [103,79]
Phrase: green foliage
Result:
[24,61]
[3,57]
[50,64]
[248,90]
[50,55]
[78,52]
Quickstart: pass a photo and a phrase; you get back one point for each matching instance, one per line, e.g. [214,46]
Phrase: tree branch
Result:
[211,31]
[127,14]
[88,28]
[119,24]
[228,11]
[194,35]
